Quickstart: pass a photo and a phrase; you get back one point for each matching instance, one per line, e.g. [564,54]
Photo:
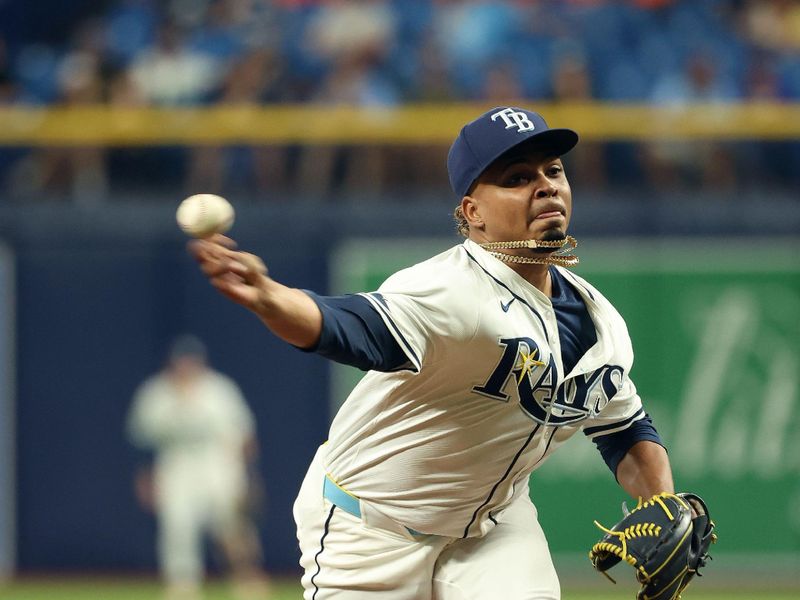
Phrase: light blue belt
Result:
[346,501]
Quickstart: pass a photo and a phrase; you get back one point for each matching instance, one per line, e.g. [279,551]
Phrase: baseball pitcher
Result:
[480,363]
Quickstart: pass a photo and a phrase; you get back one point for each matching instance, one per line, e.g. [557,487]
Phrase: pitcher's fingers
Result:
[203,250]
[211,245]
[196,249]
[223,240]
[209,251]
[226,280]
[215,268]
[248,266]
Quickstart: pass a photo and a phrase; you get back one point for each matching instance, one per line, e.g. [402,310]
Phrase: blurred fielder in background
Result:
[202,432]
[482,361]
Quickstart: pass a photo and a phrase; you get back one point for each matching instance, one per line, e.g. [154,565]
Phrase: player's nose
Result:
[545,189]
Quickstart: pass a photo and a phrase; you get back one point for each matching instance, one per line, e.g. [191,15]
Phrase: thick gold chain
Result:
[557,258]
[561,261]
[567,241]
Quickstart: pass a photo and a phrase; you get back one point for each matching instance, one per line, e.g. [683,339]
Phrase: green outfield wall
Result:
[716,331]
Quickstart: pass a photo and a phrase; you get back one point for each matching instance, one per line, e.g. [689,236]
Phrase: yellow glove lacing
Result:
[634,531]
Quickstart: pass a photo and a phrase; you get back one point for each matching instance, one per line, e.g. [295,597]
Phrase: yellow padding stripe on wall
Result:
[406,125]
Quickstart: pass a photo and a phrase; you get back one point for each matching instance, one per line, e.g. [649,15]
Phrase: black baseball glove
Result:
[664,539]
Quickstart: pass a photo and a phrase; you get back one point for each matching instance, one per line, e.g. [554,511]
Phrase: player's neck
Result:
[537,275]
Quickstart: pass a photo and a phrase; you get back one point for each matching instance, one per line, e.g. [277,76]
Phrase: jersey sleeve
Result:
[391,317]
[415,313]
[622,423]
[623,409]
[426,312]
[354,333]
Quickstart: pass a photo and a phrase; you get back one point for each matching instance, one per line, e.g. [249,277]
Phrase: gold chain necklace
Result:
[559,257]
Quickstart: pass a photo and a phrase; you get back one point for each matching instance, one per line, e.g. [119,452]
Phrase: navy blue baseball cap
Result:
[494,133]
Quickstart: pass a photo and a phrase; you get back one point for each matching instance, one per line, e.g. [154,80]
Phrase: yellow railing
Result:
[410,124]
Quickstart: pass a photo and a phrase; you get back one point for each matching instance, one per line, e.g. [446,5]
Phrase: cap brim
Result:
[553,141]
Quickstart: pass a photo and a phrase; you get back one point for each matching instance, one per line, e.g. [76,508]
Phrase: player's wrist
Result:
[266,300]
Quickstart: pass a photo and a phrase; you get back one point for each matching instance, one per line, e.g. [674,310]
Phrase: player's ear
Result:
[471,212]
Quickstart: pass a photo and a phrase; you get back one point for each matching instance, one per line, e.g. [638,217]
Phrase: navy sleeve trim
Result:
[615,446]
[602,430]
[353,333]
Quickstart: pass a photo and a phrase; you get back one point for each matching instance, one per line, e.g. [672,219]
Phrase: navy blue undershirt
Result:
[576,330]
[353,333]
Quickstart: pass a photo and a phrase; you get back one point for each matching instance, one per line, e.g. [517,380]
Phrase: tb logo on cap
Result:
[514,118]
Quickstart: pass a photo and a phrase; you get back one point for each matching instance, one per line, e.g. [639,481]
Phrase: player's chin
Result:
[552,234]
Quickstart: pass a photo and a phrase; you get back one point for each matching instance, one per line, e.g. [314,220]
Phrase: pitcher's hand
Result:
[239,276]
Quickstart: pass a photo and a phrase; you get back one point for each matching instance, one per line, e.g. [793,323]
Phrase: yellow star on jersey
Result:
[528,362]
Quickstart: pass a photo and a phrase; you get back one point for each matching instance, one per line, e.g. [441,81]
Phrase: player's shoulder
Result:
[151,384]
[221,380]
[151,392]
[442,272]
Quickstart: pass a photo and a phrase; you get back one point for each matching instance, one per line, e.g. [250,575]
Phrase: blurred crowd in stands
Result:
[391,52]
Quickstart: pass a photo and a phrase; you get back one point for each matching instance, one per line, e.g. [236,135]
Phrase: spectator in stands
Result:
[242,38]
[8,95]
[474,36]
[377,53]
[353,38]
[7,85]
[76,173]
[572,85]
[170,73]
[709,164]
[773,24]
[255,78]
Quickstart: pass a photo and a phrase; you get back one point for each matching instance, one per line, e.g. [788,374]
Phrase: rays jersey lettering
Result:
[536,382]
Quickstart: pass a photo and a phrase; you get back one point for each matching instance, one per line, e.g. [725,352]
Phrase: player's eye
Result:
[518,178]
[555,171]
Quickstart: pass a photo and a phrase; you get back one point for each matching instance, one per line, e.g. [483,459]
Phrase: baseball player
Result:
[201,430]
[480,363]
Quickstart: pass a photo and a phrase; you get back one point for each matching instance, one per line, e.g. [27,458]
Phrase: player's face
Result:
[522,195]
[186,368]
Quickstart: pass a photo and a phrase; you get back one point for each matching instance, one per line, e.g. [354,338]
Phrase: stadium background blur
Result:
[326,123]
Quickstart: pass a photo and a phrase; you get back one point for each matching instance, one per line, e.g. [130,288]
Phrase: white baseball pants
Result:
[345,557]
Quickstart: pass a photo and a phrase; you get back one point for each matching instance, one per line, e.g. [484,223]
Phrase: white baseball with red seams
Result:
[203,215]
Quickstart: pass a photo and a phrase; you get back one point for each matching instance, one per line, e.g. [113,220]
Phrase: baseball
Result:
[203,215]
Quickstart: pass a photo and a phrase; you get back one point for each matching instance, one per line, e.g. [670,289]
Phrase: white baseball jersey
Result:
[445,445]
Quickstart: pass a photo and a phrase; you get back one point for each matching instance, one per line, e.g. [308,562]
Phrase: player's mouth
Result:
[552,214]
